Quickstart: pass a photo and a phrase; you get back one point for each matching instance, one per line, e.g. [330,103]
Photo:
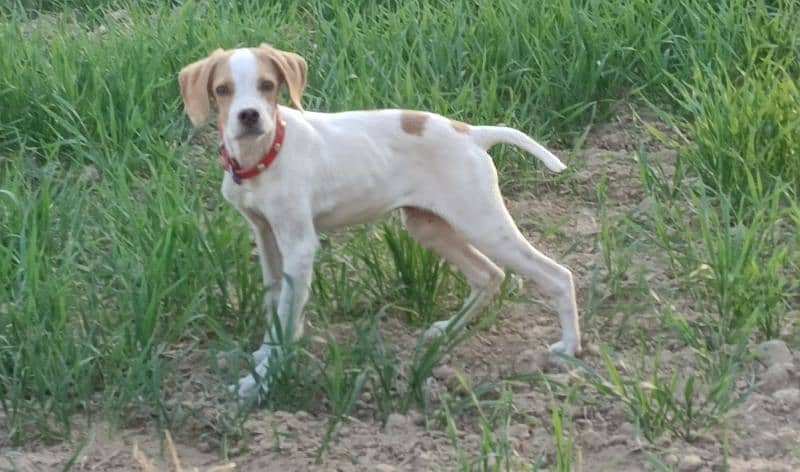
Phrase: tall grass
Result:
[745,126]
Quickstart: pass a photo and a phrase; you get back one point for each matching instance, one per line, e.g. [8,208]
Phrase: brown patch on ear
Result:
[195,82]
[459,126]
[413,122]
[292,67]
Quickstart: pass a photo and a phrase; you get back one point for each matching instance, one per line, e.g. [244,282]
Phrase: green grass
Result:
[495,448]
[116,248]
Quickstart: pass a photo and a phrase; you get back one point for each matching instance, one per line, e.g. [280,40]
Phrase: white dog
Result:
[293,173]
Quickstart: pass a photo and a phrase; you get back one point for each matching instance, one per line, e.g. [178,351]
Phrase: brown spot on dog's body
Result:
[413,122]
[459,126]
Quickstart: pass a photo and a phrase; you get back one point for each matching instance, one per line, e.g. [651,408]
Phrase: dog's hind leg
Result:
[483,276]
[485,224]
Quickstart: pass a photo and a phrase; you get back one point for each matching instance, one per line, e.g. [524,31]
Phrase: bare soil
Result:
[763,434]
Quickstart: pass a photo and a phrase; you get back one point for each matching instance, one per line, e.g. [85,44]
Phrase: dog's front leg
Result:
[271,269]
[297,243]
[298,267]
[270,259]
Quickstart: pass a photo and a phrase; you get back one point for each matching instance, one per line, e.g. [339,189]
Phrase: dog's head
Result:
[242,85]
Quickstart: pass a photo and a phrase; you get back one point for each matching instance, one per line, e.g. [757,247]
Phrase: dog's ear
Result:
[195,81]
[293,70]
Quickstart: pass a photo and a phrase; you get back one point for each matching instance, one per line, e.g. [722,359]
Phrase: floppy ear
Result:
[293,70]
[195,82]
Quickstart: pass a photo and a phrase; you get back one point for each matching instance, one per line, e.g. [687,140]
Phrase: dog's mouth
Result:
[254,132]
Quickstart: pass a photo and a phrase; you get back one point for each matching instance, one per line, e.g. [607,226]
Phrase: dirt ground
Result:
[764,431]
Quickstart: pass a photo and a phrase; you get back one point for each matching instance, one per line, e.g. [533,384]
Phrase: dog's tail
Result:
[488,136]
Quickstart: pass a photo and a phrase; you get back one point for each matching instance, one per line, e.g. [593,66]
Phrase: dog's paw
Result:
[250,384]
[436,330]
[261,355]
[569,347]
[248,387]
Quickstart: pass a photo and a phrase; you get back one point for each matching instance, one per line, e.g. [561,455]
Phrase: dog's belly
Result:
[358,184]
[354,213]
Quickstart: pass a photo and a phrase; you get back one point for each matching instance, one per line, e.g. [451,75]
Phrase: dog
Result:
[292,173]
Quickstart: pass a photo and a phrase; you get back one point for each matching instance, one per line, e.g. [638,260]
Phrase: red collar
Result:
[231,165]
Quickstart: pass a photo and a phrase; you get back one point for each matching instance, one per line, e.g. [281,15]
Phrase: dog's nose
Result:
[248,116]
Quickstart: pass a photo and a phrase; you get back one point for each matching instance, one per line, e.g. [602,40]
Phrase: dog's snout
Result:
[249,116]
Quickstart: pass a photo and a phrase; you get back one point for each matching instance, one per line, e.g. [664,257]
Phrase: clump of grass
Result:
[745,129]
[616,257]
[736,260]
[493,405]
[383,265]
[495,451]
[422,274]
[562,429]
[350,278]
[349,369]
[750,278]
[657,403]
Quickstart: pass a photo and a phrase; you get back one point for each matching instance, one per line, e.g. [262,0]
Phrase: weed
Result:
[421,273]
[495,450]
[561,418]
[617,258]
[684,402]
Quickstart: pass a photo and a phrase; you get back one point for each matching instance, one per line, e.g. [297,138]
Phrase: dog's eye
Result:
[222,90]
[266,85]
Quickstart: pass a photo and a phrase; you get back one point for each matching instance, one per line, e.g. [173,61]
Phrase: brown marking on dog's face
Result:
[413,122]
[284,68]
[222,89]
[459,126]
[269,80]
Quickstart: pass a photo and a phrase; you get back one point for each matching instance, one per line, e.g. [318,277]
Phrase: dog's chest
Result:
[238,195]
